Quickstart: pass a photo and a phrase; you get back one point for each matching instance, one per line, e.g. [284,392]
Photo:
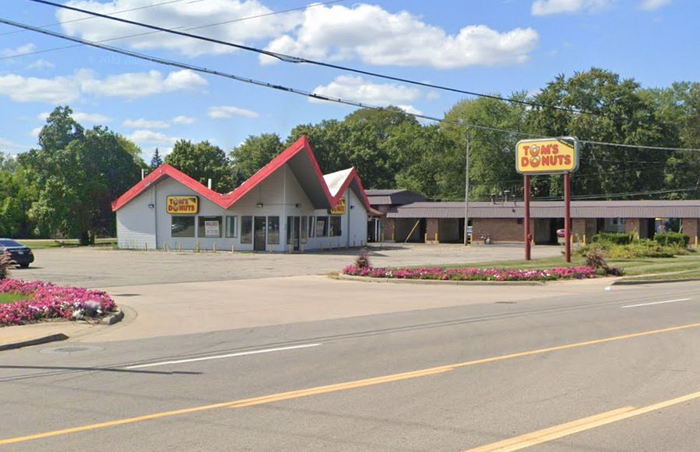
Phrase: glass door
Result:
[259,236]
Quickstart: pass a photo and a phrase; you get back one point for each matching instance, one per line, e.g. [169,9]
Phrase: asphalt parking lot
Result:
[103,267]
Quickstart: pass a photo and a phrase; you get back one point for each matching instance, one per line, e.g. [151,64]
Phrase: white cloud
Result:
[183,120]
[226,112]
[375,36]
[145,124]
[548,7]
[80,117]
[67,89]
[6,53]
[8,144]
[652,5]
[58,90]
[41,64]
[180,15]
[151,137]
[374,94]
[35,131]
[139,84]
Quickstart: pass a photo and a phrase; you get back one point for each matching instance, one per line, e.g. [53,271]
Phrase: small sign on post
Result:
[547,156]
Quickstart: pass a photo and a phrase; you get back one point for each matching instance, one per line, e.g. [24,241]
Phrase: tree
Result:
[492,152]
[254,153]
[612,110]
[75,198]
[60,130]
[156,161]
[202,161]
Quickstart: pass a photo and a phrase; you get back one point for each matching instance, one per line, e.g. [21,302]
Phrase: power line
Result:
[135,35]
[295,59]
[278,87]
[173,63]
[82,19]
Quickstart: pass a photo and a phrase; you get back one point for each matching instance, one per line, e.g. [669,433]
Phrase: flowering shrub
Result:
[48,301]
[473,274]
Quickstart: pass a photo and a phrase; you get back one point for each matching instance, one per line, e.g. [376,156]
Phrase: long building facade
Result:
[443,222]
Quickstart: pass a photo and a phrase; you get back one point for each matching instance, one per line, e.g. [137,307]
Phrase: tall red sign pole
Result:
[567,215]
[526,220]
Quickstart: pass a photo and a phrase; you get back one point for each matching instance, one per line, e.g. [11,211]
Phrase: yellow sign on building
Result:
[547,156]
[339,208]
[182,205]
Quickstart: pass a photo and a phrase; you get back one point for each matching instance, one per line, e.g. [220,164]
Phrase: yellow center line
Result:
[580,425]
[339,386]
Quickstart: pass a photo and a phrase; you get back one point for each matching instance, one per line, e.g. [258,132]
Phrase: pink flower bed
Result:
[48,301]
[473,274]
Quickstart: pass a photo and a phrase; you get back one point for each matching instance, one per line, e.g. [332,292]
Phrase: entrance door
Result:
[259,235]
[296,233]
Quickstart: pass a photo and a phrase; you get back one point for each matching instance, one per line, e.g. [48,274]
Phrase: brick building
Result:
[443,222]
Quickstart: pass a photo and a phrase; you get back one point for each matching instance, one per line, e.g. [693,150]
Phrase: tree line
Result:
[64,187]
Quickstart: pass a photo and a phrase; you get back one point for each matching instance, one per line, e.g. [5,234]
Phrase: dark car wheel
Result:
[24,265]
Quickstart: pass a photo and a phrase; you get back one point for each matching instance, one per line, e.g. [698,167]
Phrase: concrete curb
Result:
[437,281]
[113,318]
[110,319]
[631,282]
[37,341]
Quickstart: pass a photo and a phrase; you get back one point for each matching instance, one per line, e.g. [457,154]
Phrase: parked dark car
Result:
[22,255]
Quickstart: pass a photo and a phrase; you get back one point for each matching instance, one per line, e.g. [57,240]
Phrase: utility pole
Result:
[466,194]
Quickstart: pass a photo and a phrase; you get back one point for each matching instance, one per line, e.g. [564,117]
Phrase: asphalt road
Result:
[622,363]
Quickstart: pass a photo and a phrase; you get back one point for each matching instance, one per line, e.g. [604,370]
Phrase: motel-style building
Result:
[288,205]
[407,218]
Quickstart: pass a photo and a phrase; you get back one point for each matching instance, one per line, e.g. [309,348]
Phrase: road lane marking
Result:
[549,434]
[229,355]
[340,386]
[655,302]
[580,425]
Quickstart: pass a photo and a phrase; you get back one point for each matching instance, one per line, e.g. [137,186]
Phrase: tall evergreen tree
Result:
[156,161]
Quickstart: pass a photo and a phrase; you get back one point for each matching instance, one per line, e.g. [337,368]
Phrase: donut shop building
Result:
[288,205]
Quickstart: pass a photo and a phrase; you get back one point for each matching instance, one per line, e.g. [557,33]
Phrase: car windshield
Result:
[8,243]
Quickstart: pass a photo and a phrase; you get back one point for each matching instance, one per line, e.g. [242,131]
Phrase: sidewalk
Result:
[189,308]
[156,310]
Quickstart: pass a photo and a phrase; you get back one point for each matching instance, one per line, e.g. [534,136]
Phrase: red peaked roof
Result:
[300,147]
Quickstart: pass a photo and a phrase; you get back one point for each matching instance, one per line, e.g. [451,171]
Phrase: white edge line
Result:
[229,355]
[656,302]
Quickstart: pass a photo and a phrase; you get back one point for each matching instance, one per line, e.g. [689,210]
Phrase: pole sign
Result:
[547,156]
[182,205]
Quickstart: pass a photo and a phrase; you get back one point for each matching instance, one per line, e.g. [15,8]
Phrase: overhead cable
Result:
[278,87]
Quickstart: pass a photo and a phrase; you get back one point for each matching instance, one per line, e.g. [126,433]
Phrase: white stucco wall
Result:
[280,194]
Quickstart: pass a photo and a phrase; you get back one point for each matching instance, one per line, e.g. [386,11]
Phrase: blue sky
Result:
[494,46]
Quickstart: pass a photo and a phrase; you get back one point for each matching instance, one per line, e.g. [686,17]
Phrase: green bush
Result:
[635,250]
[672,239]
[618,238]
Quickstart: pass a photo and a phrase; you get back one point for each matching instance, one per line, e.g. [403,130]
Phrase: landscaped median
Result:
[24,302]
[472,274]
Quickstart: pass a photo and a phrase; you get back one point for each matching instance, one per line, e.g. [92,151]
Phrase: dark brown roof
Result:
[551,209]
[389,197]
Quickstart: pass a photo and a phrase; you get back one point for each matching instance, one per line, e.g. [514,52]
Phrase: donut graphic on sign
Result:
[535,156]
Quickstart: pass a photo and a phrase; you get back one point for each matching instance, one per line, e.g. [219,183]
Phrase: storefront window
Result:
[182,226]
[321,226]
[246,229]
[312,226]
[231,226]
[289,230]
[209,227]
[334,227]
[273,230]
[303,229]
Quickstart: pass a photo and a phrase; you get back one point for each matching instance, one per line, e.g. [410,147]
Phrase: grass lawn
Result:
[10,297]
[681,266]
[58,243]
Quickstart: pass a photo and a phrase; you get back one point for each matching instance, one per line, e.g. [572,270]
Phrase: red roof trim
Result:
[161,172]
[228,200]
